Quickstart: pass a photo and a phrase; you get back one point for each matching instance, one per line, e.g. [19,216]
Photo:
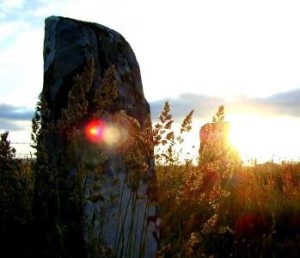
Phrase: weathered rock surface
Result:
[213,133]
[105,215]
[215,147]
[69,44]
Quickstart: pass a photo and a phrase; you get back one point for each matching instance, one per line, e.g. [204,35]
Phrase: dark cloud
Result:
[181,106]
[15,113]
[11,115]
[285,103]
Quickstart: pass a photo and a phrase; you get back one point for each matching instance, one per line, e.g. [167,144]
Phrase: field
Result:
[216,207]
[255,213]
[220,207]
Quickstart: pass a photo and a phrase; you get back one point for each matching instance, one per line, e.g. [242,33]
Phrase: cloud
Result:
[9,125]
[280,104]
[285,103]
[13,118]
[184,103]
[12,4]
[15,113]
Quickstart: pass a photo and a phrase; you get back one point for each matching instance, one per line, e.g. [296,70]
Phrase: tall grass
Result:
[212,210]
[209,209]
[16,196]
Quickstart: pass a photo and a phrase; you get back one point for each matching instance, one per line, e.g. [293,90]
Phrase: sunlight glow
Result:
[264,138]
[115,136]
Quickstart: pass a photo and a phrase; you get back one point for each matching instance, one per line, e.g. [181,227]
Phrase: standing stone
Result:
[96,196]
[214,136]
[215,149]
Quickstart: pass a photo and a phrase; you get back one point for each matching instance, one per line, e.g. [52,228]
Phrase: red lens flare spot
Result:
[94,131]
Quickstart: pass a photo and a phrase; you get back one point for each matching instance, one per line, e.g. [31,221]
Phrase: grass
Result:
[255,213]
[220,207]
[216,208]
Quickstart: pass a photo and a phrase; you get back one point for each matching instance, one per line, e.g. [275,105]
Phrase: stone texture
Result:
[112,218]
[215,149]
[212,134]
[69,44]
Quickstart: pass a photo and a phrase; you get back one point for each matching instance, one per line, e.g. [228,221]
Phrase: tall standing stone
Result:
[95,198]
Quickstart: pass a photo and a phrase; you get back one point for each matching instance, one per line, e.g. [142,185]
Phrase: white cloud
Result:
[22,69]
[9,29]
[11,4]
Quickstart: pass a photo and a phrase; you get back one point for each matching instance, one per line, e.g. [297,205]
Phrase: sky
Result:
[196,54]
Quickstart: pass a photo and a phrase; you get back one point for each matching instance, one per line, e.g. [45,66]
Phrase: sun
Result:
[263,138]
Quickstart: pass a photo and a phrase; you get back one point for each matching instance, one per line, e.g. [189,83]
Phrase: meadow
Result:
[216,207]
[221,207]
[256,213]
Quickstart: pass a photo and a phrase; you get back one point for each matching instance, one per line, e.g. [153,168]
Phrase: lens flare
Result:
[112,135]
[94,131]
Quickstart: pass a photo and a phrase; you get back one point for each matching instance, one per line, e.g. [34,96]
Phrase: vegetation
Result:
[216,208]
[16,195]
[221,208]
